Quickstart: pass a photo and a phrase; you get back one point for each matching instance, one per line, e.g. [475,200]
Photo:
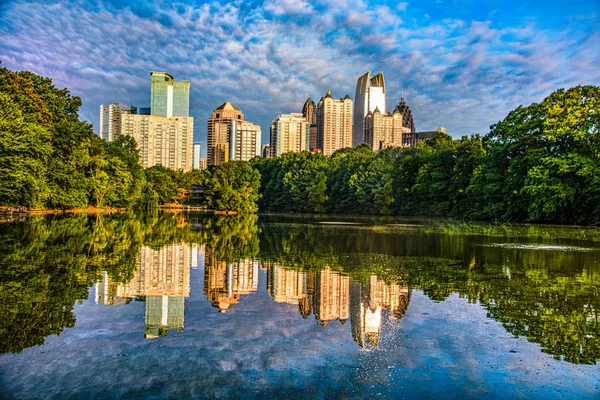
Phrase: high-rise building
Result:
[286,285]
[312,138]
[407,118]
[203,163]
[110,119]
[168,97]
[383,130]
[309,111]
[161,141]
[220,141]
[334,123]
[265,151]
[370,94]
[244,141]
[289,132]
[196,155]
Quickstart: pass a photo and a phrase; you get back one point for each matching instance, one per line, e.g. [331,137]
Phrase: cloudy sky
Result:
[461,63]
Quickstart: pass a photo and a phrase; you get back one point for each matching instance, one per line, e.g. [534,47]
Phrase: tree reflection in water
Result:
[365,272]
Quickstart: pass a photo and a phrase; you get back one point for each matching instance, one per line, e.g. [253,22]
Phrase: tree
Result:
[234,186]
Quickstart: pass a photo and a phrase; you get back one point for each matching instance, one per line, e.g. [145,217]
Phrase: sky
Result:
[463,64]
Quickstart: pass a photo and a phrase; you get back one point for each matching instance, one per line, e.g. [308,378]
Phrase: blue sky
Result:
[463,64]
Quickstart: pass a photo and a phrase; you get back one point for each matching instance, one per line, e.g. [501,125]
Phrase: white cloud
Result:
[270,59]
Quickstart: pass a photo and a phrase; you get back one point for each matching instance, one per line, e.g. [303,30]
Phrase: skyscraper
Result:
[219,128]
[334,123]
[407,118]
[110,119]
[289,132]
[370,94]
[309,111]
[383,130]
[164,136]
[244,141]
[168,97]
[161,141]
[265,151]
[196,156]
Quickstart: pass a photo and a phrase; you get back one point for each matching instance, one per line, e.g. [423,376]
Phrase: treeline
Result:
[541,163]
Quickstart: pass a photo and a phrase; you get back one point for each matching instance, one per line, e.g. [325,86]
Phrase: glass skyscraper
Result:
[169,98]
[370,94]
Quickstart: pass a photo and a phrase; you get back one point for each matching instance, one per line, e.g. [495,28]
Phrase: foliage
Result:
[234,186]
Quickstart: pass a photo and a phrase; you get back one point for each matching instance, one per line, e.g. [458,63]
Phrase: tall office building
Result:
[309,111]
[383,130]
[244,141]
[168,97]
[370,94]
[196,155]
[110,119]
[161,141]
[407,118]
[265,151]
[220,139]
[289,132]
[334,123]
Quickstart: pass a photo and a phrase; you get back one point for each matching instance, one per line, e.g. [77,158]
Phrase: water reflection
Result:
[162,280]
[545,289]
[225,282]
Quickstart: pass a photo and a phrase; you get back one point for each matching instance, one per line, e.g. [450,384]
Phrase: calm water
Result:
[172,306]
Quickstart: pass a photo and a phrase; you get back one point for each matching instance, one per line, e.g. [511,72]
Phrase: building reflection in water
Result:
[162,280]
[367,301]
[330,295]
[291,286]
[225,282]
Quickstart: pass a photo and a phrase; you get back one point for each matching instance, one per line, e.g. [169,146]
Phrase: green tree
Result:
[234,186]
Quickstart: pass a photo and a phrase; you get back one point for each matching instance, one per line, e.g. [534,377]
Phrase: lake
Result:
[282,306]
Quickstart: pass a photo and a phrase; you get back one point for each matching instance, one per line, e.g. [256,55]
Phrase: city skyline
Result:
[484,58]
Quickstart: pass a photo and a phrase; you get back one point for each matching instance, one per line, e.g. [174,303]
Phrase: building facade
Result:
[168,97]
[407,117]
[220,141]
[411,139]
[370,94]
[161,141]
[244,141]
[334,123]
[289,133]
[309,111]
[196,155]
[111,119]
[265,151]
[383,130]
